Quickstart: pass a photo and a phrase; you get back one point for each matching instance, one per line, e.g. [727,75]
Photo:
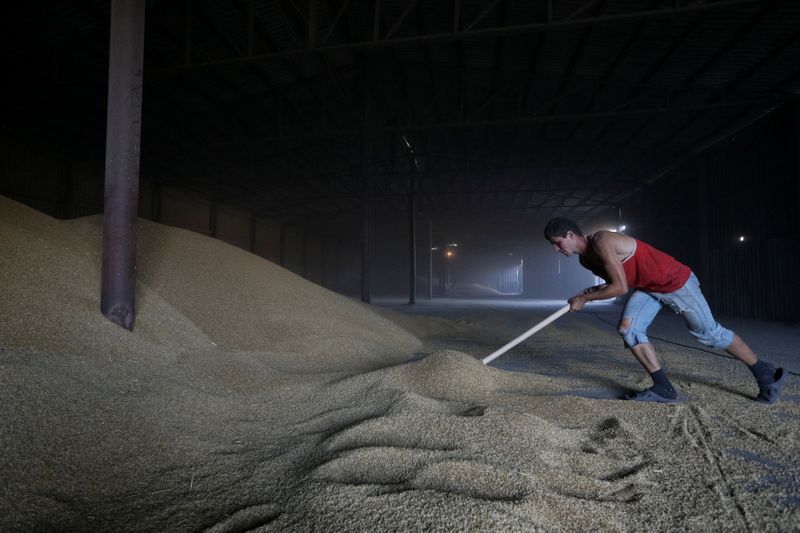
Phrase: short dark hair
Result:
[558,227]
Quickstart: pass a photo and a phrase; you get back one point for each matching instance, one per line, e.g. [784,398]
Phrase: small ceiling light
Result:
[449,253]
[741,238]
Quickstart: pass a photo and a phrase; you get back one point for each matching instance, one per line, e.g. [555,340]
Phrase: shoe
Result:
[648,395]
[771,392]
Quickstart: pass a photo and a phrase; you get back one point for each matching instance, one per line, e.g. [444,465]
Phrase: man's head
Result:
[559,227]
[563,234]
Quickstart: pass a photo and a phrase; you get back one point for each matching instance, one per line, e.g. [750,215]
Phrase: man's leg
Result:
[770,379]
[741,351]
[640,310]
[639,313]
[690,302]
[646,355]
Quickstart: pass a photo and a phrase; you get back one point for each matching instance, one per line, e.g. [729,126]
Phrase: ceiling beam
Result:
[521,29]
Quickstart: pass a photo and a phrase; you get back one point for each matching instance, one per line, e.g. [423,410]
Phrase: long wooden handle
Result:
[494,355]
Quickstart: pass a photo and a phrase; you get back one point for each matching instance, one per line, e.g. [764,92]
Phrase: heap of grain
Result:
[249,399]
[193,293]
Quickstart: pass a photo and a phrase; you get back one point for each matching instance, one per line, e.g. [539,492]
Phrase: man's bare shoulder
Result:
[605,237]
[616,242]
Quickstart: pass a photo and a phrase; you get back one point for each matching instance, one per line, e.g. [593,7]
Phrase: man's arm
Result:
[594,288]
[604,245]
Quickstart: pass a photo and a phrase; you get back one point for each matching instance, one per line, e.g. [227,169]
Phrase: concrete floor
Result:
[590,337]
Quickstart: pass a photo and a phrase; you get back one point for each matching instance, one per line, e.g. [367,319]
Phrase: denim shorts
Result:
[643,306]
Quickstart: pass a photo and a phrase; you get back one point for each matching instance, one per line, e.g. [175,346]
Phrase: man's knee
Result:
[716,337]
[630,334]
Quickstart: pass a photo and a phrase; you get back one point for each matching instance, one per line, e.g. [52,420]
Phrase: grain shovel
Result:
[494,355]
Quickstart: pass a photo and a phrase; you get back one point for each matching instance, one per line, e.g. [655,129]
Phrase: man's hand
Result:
[576,303]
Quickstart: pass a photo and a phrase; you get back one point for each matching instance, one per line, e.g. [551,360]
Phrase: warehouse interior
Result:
[340,210]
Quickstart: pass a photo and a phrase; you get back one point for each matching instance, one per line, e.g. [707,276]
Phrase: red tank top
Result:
[649,269]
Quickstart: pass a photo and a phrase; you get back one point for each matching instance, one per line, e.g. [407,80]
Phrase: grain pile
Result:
[239,301]
[247,398]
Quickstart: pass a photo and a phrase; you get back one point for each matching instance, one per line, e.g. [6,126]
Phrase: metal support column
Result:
[123,136]
[65,171]
[366,167]
[365,218]
[793,314]
[337,259]
[155,203]
[212,219]
[311,34]
[322,264]
[430,259]
[304,254]
[282,246]
[325,277]
[442,273]
[797,151]
[253,228]
[701,209]
[412,242]
[250,26]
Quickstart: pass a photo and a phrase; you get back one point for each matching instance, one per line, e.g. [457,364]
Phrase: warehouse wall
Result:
[185,209]
[348,269]
[747,185]
[268,239]
[69,186]
[47,179]
[330,264]
[312,258]
[233,226]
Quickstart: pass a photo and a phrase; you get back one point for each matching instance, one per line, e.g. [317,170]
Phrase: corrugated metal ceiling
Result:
[518,105]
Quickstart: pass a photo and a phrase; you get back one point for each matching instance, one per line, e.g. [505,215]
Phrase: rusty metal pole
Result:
[123,135]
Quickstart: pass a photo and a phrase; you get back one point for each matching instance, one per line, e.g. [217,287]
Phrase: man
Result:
[659,279]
